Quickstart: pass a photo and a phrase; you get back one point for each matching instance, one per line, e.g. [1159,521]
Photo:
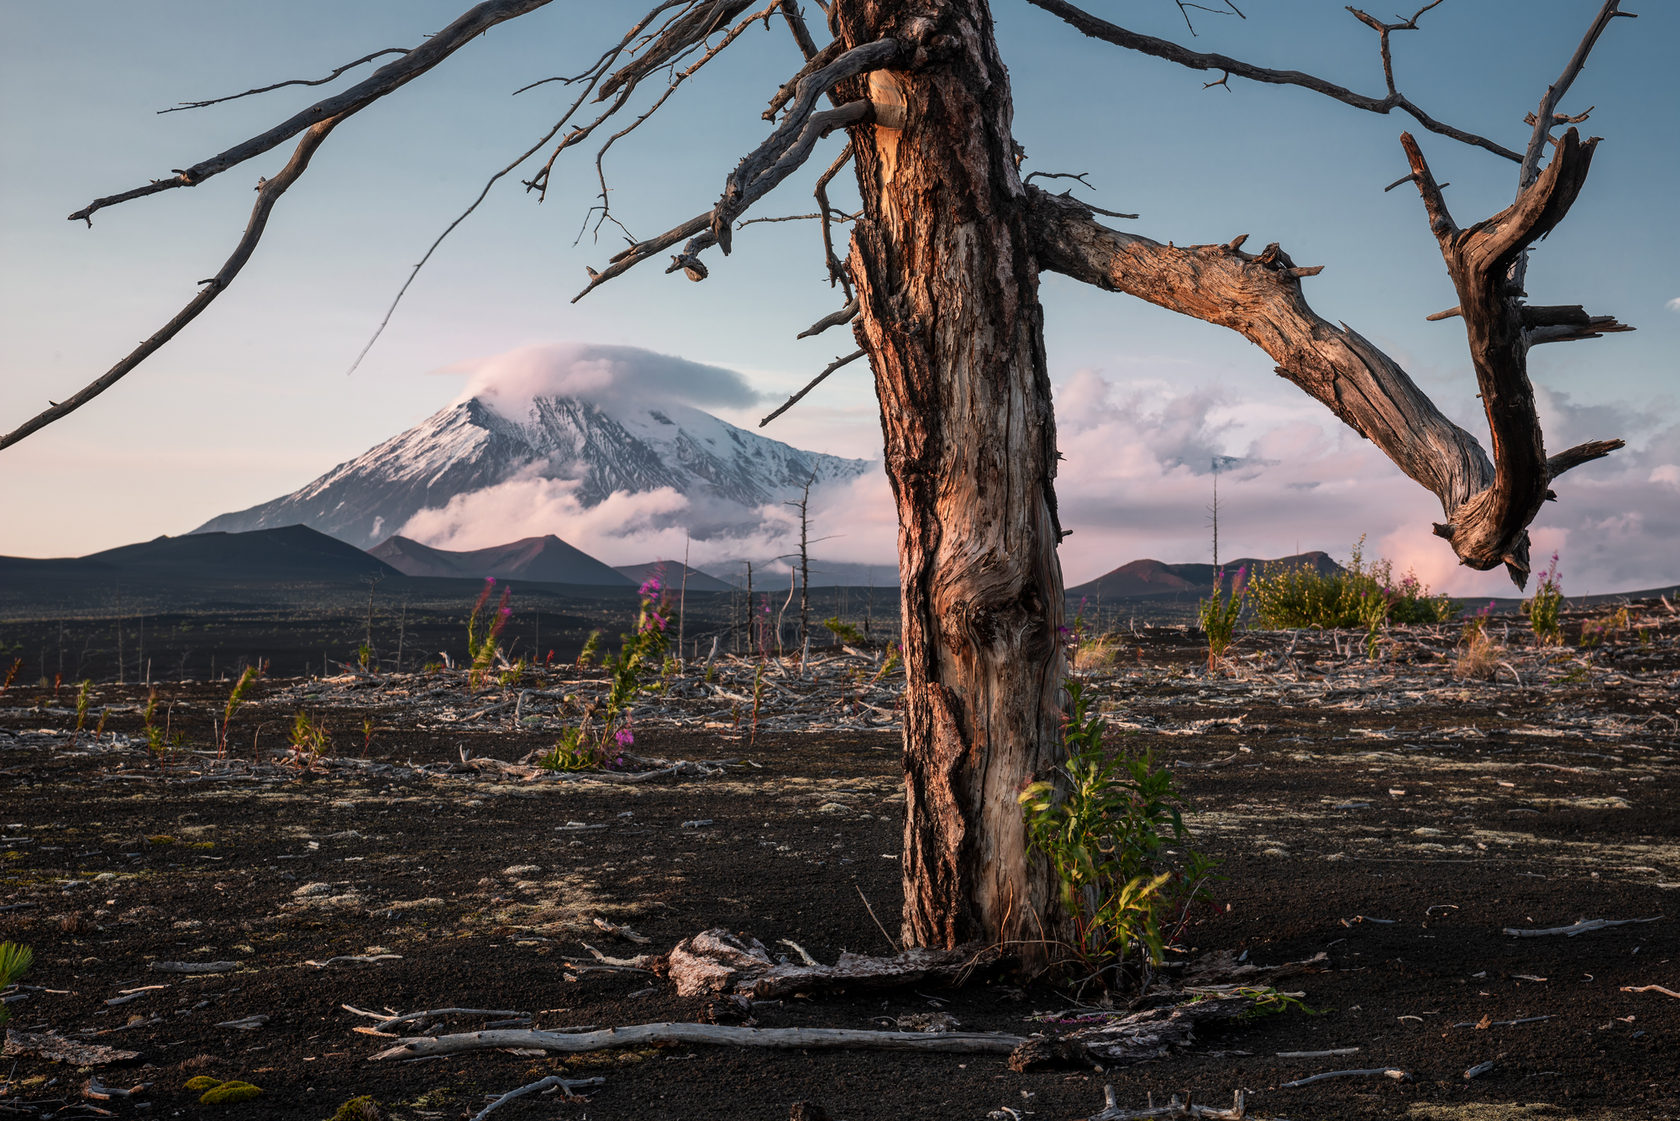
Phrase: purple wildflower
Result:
[624,737]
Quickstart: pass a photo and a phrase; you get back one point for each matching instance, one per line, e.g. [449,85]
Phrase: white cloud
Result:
[603,374]
[1674,304]
[1135,481]
[854,521]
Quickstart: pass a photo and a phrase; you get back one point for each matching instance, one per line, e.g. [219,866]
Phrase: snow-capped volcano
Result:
[723,474]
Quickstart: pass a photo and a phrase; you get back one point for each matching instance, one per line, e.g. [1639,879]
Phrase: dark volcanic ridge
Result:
[1143,579]
[546,560]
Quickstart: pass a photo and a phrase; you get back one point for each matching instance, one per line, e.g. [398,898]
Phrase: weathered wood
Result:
[950,317]
[720,1035]
[716,961]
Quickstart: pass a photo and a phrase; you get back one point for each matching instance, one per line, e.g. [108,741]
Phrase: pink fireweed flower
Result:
[650,586]
[656,621]
[624,737]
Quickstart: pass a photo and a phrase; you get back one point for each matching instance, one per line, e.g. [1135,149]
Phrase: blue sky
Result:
[253,400]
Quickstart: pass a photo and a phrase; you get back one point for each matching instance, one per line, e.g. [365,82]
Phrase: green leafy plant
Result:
[893,661]
[591,652]
[159,741]
[84,693]
[1106,832]
[241,692]
[364,657]
[604,730]
[15,961]
[845,632]
[309,741]
[1218,616]
[484,633]
[513,675]
[1361,596]
[1544,607]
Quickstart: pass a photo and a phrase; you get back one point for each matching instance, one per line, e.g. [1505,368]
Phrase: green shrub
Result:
[604,731]
[1218,619]
[845,632]
[309,741]
[1107,837]
[15,961]
[1358,596]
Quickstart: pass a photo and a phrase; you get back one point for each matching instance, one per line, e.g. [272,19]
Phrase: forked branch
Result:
[268,193]
[1098,28]
[786,149]
[471,24]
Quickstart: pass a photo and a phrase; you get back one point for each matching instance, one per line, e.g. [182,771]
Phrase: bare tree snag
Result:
[1491,527]
[950,318]
[1488,502]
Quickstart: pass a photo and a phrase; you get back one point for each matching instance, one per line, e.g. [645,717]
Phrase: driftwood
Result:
[644,1035]
[1175,1108]
[1581,927]
[716,961]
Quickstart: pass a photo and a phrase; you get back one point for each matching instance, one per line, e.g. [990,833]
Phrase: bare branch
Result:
[680,34]
[832,319]
[474,22]
[790,144]
[1492,527]
[1161,48]
[1544,120]
[590,77]
[268,193]
[784,93]
[1565,323]
[787,147]
[676,80]
[801,33]
[1579,454]
[283,85]
[813,383]
[1260,297]
[837,271]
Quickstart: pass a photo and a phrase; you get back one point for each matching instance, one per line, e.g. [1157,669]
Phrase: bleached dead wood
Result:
[643,1035]
[1581,927]
[1370,1072]
[567,1086]
[716,961]
[1176,1108]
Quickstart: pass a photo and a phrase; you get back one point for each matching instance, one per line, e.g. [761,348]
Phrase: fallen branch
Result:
[1650,989]
[1575,928]
[554,1080]
[643,1035]
[1111,1110]
[1370,1072]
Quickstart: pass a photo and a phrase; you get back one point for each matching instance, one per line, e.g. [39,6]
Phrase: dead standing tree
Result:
[942,294]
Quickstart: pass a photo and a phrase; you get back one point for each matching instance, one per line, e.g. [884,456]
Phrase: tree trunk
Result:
[951,320]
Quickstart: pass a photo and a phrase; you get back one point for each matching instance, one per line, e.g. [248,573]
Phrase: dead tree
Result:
[940,287]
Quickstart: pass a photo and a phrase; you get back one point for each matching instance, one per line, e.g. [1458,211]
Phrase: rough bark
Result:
[1487,502]
[950,317]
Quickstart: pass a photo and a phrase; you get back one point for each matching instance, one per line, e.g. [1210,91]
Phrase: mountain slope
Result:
[726,472]
[1142,578]
[547,560]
